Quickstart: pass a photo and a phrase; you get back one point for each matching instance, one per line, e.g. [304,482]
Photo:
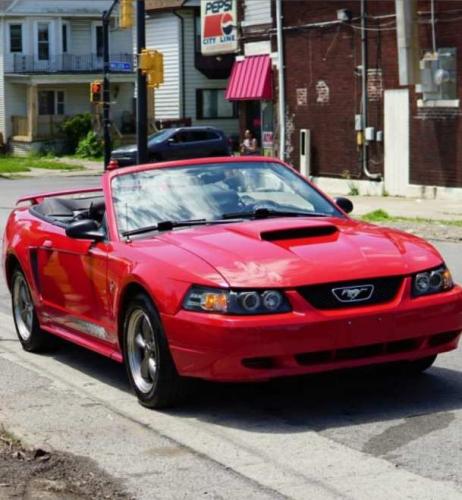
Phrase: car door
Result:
[72,276]
[177,146]
[216,145]
[198,144]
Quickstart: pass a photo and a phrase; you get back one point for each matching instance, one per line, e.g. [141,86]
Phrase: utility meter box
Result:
[439,75]
[305,152]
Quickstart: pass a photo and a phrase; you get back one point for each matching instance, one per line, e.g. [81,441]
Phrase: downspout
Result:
[365,155]
[183,69]
[433,26]
[281,81]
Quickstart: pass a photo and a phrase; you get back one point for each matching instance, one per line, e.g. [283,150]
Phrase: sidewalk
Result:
[407,207]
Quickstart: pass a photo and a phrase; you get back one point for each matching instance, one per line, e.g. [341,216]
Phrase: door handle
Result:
[47,244]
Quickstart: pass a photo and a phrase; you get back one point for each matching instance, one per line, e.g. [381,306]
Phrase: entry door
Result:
[44,47]
[396,137]
[73,285]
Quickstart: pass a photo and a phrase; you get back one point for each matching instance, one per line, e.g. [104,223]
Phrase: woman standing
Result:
[249,145]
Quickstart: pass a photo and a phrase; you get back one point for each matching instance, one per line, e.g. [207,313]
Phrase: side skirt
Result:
[84,341]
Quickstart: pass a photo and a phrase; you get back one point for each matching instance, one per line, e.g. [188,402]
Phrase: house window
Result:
[99,41]
[211,103]
[65,37]
[51,102]
[43,41]
[60,102]
[256,13]
[15,37]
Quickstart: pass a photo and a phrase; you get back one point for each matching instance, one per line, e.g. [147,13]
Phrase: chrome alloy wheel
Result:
[143,351]
[23,307]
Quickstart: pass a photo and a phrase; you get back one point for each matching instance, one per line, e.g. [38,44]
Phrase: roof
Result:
[55,7]
[4,4]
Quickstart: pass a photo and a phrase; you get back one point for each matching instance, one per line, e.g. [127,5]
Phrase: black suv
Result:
[178,144]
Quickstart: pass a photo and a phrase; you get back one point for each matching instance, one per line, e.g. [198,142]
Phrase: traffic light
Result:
[96,91]
[151,63]
[126,14]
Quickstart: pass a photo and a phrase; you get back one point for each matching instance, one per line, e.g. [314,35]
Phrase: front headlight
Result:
[244,302]
[432,281]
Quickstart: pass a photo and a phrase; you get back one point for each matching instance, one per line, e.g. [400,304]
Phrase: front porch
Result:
[39,107]
[30,128]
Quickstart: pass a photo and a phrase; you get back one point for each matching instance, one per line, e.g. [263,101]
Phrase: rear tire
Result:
[32,338]
[150,367]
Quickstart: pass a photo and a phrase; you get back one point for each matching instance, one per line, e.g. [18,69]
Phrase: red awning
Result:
[250,79]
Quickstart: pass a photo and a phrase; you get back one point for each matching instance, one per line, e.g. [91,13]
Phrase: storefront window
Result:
[211,104]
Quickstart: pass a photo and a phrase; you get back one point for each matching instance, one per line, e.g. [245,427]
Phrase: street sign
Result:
[121,66]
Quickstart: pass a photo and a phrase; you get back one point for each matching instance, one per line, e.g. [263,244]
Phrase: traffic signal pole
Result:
[141,102]
[107,86]
[106,93]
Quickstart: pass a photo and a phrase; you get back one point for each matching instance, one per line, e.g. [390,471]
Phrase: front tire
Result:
[150,367]
[420,365]
[30,335]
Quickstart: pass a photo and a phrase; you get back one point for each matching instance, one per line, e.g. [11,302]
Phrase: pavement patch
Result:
[403,433]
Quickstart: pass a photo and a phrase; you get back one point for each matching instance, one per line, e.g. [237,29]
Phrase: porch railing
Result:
[47,126]
[20,126]
[71,63]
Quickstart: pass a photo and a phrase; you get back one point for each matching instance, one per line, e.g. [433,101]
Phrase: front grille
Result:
[381,290]
[393,348]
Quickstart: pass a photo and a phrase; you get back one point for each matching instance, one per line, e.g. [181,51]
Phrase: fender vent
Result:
[298,233]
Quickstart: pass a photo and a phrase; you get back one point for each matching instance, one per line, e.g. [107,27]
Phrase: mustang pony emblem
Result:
[353,293]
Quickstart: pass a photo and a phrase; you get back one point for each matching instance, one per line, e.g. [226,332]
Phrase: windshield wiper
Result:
[263,213]
[167,225]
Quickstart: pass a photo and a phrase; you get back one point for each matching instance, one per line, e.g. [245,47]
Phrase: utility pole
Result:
[125,23]
[364,97]
[141,102]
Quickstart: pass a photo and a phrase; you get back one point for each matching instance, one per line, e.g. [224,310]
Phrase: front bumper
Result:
[306,340]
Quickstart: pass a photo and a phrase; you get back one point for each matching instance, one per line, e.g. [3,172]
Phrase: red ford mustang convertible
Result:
[233,269]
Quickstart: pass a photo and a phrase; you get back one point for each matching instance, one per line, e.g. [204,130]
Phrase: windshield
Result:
[212,192]
[159,136]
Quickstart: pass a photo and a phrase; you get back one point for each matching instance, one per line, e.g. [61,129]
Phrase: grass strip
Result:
[12,164]
[383,216]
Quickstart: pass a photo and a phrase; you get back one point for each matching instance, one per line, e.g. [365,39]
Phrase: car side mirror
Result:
[345,204]
[85,229]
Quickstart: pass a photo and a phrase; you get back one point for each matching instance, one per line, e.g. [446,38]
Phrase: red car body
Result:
[79,289]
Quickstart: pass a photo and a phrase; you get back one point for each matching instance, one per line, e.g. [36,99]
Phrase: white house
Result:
[194,87]
[50,51]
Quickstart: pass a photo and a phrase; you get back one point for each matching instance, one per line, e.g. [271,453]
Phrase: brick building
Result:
[421,153]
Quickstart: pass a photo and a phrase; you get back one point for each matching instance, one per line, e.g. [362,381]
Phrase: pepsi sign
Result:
[218,27]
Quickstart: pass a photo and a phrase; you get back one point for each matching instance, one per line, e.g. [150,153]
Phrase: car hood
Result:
[287,252]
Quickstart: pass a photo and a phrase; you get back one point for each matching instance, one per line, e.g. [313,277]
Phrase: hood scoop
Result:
[295,233]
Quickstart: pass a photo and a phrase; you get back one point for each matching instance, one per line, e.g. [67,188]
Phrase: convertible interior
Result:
[63,211]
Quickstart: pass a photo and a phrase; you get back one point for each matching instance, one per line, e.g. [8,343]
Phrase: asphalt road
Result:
[360,435]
